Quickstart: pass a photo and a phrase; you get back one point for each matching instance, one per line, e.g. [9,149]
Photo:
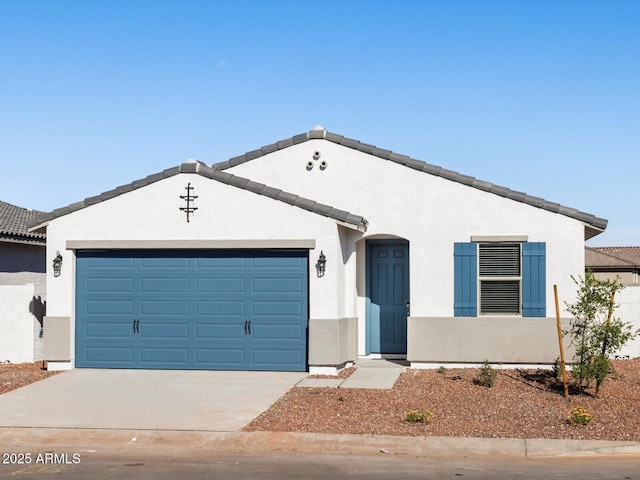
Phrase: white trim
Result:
[358,228]
[499,238]
[38,226]
[59,366]
[188,244]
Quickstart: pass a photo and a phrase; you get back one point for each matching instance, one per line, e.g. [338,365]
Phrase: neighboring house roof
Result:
[13,225]
[593,224]
[612,257]
[355,221]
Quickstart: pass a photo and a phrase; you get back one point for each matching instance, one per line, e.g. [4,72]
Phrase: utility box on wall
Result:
[57,344]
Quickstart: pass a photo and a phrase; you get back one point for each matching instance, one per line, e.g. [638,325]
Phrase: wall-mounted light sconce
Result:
[322,261]
[57,264]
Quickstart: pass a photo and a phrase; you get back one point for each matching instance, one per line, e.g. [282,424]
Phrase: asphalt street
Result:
[185,463]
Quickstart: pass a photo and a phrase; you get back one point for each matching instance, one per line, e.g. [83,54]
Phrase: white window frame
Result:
[506,278]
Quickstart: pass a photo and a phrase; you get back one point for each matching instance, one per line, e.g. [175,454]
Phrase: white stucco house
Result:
[305,255]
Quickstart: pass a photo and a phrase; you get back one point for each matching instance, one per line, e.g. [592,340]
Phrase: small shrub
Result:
[342,398]
[486,376]
[441,370]
[417,416]
[595,333]
[579,416]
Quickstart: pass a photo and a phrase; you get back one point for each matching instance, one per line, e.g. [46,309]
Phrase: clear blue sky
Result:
[540,97]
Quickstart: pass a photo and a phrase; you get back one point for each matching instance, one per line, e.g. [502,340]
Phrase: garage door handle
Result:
[249,327]
[246,327]
[136,326]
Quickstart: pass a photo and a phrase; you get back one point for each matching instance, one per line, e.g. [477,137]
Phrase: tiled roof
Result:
[199,168]
[619,257]
[597,224]
[594,225]
[13,224]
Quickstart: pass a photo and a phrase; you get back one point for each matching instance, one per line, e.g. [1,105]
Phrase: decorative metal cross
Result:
[189,209]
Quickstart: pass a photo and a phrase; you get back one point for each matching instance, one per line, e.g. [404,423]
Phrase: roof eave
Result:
[38,227]
[24,241]
[591,231]
[359,227]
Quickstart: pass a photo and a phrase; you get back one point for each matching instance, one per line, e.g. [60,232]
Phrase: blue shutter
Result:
[534,299]
[465,292]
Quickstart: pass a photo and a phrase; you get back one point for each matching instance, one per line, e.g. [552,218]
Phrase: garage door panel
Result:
[273,262]
[220,331]
[277,285]
[271,331]
[164,284]
[164,330]
[276,359]
[220,284]
[161,308]
[237,310]
[107,355]
[220,261]
[108,330]
[217,309]
[218,356]
[164,357]
[164,262]
[109,285]
[277,309]
[98,262]
[109,307]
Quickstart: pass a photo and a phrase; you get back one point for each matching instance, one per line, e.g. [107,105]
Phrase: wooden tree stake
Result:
[564,371]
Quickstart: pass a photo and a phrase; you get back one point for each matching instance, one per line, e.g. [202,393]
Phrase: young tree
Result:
[595,333]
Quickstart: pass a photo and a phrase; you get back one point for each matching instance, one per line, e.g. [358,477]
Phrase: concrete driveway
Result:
[145,399]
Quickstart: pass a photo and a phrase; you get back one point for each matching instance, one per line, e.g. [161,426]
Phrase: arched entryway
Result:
[388,296]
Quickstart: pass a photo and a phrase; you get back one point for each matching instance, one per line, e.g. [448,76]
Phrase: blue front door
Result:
[388,270]
[217,310]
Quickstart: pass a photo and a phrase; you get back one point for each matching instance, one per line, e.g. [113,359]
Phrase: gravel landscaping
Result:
[16,375]
[521,404]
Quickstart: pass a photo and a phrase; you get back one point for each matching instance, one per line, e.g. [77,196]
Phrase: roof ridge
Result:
[420,165]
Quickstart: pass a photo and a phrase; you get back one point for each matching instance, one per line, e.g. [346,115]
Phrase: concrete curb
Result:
[79,440]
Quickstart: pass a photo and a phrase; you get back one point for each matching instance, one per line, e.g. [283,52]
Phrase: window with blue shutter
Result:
[534,299]
[465,296]
[511,279]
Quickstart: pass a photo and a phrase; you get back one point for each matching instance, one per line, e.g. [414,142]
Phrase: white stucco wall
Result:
[431,212]
[20,340]
[629,311]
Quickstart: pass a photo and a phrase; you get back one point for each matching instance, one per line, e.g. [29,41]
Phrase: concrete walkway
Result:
[376,373]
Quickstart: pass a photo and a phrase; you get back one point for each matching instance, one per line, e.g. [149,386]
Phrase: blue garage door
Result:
[208,310]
